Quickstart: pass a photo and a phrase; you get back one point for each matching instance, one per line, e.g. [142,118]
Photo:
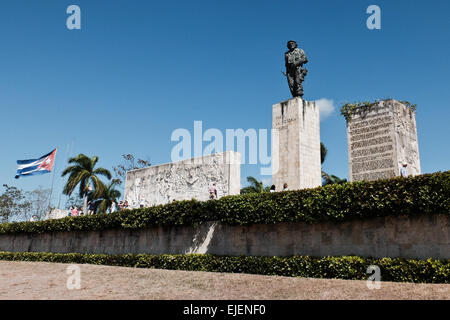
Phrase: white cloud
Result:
[326,107]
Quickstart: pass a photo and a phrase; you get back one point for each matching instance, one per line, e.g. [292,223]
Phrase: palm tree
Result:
[254,187]
[328,179]
[83,173]
[323,152]
[332,179]
[110,195]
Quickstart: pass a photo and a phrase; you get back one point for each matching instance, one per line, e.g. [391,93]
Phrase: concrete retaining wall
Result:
[418,237]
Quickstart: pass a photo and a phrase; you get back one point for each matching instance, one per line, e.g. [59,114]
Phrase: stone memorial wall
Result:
[410,237]
[184,180]
[380,139]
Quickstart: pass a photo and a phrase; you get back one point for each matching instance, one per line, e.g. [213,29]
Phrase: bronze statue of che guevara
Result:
[295,58]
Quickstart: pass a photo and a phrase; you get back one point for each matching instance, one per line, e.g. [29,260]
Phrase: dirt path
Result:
[37,280]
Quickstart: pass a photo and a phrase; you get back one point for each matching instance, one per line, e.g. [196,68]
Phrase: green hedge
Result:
[425,194]
[395,270]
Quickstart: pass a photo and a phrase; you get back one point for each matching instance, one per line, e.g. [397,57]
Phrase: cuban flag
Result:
[34,167]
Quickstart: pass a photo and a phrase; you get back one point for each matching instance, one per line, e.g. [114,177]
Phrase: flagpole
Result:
[62,179]
[68,156]
[53,180]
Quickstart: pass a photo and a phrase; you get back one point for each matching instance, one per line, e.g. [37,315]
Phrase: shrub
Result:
[425,194]
[394,270]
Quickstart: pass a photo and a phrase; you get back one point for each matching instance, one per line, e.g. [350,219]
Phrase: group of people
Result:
[285,187]
[92,207]
[74,212]
[123,204]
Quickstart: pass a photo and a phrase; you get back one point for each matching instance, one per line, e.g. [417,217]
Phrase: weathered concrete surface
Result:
[380,140]
[184,180]
[297,147]
[56,214]
[418,237]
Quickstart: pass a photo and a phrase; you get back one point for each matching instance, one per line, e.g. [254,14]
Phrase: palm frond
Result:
[103,172]
[93,162]
[323,152]
[74,179]
[71,169]
[103,206]
[99,186]
[82,160]
[84,183]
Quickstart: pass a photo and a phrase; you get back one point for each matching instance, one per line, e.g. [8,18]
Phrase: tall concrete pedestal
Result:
[380,139]
[297,145]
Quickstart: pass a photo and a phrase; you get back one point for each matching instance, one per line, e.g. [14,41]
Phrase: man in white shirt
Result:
[403,172]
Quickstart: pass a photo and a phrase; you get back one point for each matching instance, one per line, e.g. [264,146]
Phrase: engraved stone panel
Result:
[184,180]
[380,139]
[297,148]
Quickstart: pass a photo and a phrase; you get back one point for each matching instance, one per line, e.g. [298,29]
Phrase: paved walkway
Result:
[38,280]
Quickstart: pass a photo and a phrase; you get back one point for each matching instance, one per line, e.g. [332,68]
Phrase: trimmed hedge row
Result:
[354,268]
[425,194]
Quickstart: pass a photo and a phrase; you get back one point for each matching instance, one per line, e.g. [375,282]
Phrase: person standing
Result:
[272,188]
[113,207]
[91,207]
[212,192]
[403,172]
[285,187]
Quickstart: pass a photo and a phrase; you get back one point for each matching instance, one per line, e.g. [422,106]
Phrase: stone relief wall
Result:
[380,139]
[184,180]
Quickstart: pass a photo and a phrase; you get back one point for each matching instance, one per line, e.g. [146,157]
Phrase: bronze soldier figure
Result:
[295,58]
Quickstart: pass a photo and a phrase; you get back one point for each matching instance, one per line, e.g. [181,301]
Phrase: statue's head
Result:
[291,45]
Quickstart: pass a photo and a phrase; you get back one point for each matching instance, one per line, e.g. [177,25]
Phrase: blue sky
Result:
[138,70]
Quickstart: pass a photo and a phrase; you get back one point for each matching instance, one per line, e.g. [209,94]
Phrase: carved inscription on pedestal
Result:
[380,139]
[371,143]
